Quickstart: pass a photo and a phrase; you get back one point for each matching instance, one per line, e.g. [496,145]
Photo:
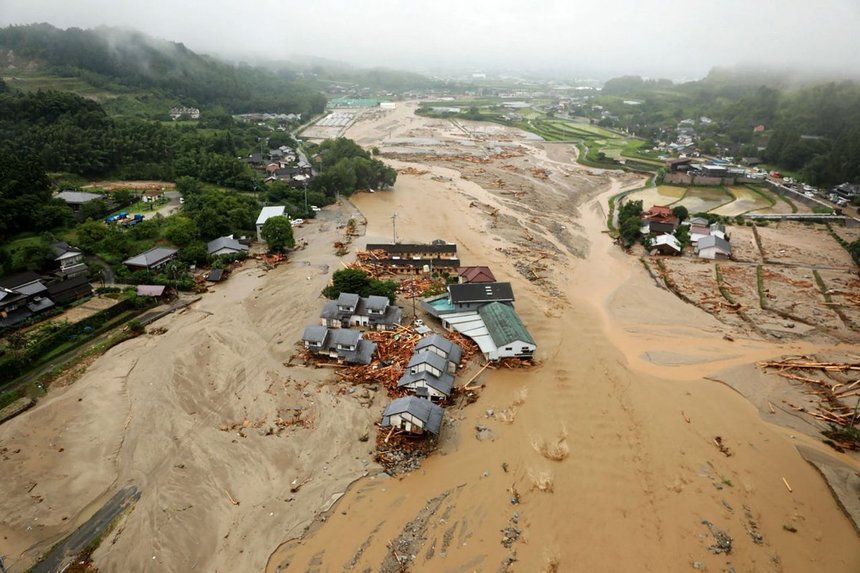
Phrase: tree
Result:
[682,233]
[681,212]
[95,209]
[180,230]
[90,234]
[278,233]
[359,282]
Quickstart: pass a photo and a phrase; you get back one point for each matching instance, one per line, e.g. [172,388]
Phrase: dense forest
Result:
[68,133]
[124,60]
[813,129]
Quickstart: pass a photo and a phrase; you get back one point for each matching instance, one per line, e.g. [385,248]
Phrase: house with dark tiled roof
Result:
[151,260]
[413,415]
[342,344]
[351,310]
[22,296]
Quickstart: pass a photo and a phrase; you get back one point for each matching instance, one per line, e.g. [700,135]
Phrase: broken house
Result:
[443,347]
[713,247]
[658,220]
[375,312]
[665,245]
[413,415]
[22,296]
[225,246]
[151,260]
[475,275]
[719,230]
[417,258]
[342,344]
[427,375]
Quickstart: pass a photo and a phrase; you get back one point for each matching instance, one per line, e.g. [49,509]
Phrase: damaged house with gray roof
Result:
[343,344]
[349,309]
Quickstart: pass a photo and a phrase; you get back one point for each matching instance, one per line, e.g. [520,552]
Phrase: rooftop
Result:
[504,324]
[151,257]
[480,292]
[476,274]
[227,242]
[404,248]
[271,211]
[451,349]
[77,197]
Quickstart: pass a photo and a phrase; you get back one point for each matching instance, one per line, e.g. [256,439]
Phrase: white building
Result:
[265,214]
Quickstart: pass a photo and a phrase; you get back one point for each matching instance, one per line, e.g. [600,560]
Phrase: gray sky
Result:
[672,38]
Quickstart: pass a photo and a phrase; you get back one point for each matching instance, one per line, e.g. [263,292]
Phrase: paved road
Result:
[63,552]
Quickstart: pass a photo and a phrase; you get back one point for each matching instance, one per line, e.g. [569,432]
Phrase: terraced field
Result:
[746,200]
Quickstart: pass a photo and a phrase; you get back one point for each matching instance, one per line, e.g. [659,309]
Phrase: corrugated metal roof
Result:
[271,211]
[504,324]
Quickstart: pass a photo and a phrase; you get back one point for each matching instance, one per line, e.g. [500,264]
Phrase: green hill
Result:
[105,63]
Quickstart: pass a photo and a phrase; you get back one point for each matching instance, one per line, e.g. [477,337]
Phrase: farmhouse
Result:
[225,246]
[267,213]
[349,309]
[713,247]
[413,415]
[151,260]
[343,344]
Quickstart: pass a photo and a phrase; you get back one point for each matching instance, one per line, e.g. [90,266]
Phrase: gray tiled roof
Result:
[453,351]
[714,241]
[151,257]
[344,337]
[374,302]
[426,411]
[427,357]
[443,383]
[315,334]
[347,299]
[329,310]
[77,197]
[225,243]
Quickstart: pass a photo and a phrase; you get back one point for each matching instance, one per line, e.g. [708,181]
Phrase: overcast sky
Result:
[672,38]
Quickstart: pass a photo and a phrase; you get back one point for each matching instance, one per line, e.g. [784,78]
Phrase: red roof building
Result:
[476,275]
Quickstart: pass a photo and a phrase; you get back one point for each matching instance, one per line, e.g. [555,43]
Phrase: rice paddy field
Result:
[746,200]
[660,195]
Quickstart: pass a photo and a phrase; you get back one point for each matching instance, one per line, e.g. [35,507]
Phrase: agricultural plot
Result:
[799,244]
[704,199]
[746,200]
[793,294]
[842,290]
[660,195]
[744,247]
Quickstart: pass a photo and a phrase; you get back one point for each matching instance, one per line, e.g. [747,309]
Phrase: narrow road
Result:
[58,558]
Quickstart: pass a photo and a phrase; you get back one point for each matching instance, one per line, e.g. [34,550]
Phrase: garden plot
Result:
[796,243]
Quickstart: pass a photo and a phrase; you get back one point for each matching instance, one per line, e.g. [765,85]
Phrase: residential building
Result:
[375,312]
[225,246]
[21,296]
[475,275]
[438,249]
[343,344]
[719,230]
[413,415]
[69,259]
[75,199]
[152,196]
[187,112]
[713,247]
[267,213]
[658,220]
[424,384]
[471,296]
[665,245]
[151,260]
[443,347]
[70,289]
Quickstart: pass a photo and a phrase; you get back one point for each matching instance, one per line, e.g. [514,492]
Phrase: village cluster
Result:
[476,306]
[660,223]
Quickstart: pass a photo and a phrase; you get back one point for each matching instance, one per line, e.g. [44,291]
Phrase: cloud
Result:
[651,37]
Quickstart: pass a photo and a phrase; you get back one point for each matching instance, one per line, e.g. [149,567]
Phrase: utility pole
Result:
[394,226]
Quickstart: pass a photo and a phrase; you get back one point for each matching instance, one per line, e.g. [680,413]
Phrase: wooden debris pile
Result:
[539,172]
[469,346]
[837,386]
[400,453]
[340,248]
[370,262]
[417,286]
[411,171]
[394,349]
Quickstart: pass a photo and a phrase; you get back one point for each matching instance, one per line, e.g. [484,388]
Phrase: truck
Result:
[135,219]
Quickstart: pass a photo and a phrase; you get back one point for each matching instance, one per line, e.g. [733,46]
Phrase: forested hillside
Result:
[812,128]
[125,60]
